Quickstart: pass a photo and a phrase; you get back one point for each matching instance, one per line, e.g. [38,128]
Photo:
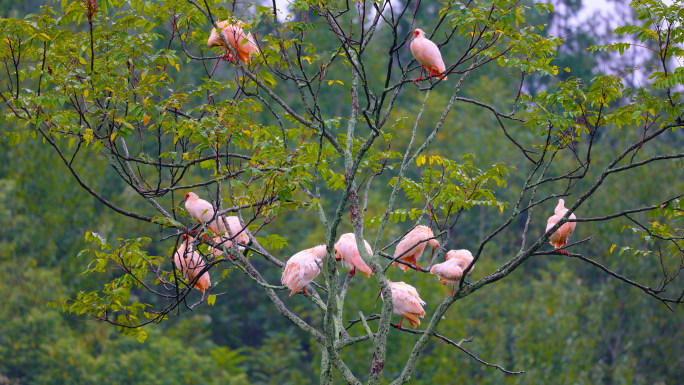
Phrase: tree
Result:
[109,83]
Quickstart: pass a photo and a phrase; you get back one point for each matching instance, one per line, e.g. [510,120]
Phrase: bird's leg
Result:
[353,271]
[304,291]
[228,57]
[421,75]
[400,320]
[415,263]
[453,289]
[565,251]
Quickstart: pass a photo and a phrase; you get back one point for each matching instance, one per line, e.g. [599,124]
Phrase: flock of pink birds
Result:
[425,51]
[303,267]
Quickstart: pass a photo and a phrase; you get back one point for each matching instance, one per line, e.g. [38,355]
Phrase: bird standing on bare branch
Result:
[560,237]
[243,45]
[407,302]
[451,271]
[427,54]
[190,264]
[302,268]
[413,244]
[347,252]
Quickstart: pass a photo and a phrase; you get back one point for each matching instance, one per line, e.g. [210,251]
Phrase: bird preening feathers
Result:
[190,264]
[407,302]
[243,45]
[347,252]
[413,244]
[560,237]
[427,54]
[302,268]
[451,271]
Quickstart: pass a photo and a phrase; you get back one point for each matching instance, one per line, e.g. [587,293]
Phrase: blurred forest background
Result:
[561,321]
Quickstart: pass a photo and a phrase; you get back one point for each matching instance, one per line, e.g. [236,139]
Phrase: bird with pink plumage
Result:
[427,54]
[190,264]
[302,268]
[560,238]
[451,271]
[412,245]
[407,303]
[243,45]
[347,252]
[202,211]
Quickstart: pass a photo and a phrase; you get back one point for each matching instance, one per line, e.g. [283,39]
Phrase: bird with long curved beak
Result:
[427,54]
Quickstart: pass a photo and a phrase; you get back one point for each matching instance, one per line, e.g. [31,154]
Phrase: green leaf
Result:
[141,337]
[211,300]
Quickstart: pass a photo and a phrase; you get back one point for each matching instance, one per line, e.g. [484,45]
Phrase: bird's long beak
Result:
[409,44]
[376,298]
[433,252]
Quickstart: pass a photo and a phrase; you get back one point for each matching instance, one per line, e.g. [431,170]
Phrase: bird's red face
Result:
[187,196]
[416,33]
[184,236]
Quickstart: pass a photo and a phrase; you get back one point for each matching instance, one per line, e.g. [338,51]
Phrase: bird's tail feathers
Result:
[413,319]
[296,290]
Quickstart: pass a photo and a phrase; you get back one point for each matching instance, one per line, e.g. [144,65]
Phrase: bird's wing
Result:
[201,210]
[552,222]
[358,262]
[571,225]
[235,228]
[300,270]
[195,264]
[203,282]
[410,242]
[179,260]
[417,50]
[233,34]
[566,230]
[433,57]
[555,239]
[406,300]
[450,270]
[214,38]
[250,45]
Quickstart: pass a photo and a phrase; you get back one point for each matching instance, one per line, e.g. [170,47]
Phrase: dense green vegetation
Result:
[556,318]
